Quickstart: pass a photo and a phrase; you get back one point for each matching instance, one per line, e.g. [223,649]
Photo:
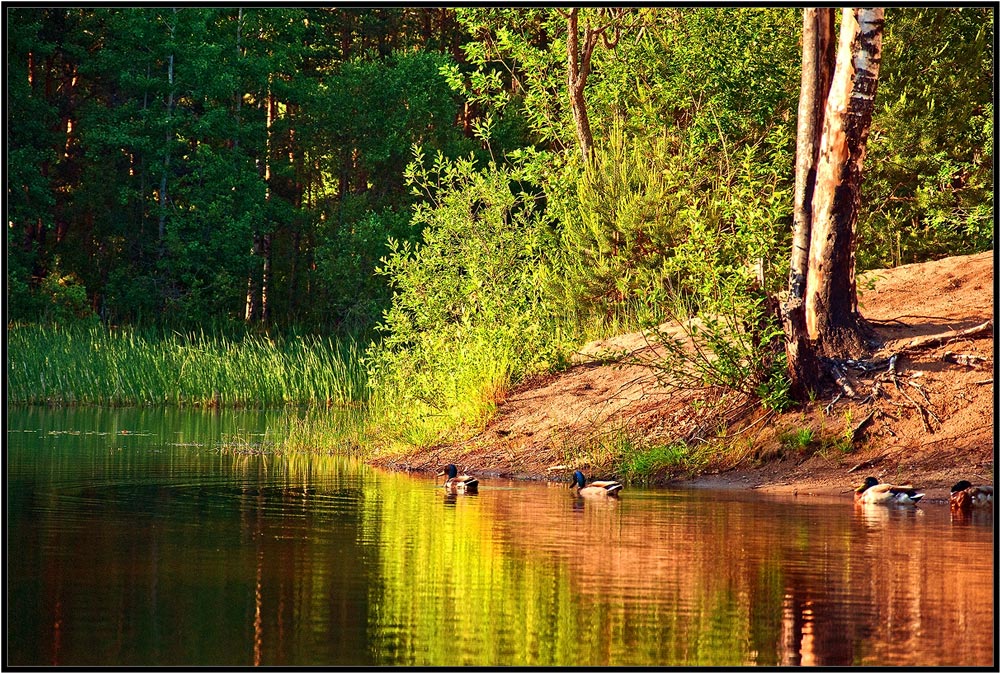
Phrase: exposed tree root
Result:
[887,370]
[932,340]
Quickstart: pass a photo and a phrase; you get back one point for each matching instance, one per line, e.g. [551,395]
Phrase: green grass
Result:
[125,367]
[644,465]
[468,387]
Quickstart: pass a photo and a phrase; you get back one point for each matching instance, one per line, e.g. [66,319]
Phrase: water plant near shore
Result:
[119,367]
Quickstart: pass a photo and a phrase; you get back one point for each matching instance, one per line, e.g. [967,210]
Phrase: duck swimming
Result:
[872,492]
[459,483]
[966,497]
[595,488]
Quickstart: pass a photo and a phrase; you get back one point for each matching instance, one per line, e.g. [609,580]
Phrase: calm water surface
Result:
[134,540]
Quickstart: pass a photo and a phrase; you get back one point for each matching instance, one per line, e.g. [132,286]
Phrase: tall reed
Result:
[124,366]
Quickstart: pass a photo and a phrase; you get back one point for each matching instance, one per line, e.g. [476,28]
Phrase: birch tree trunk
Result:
[818,60]
[831,301]
[821,315]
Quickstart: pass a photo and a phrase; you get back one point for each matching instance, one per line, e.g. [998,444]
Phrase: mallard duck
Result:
[598,488]
[459,483]
[965,496]
[886,494]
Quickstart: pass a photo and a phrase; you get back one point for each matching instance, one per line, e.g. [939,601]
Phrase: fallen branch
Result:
[961,359]
[938,339]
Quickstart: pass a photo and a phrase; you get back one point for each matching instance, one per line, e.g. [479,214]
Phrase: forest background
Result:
[392,206]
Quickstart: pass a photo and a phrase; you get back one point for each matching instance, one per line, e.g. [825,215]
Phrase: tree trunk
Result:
[261,242]
[265,281]
[162,229]
[578,67]
[821,315]
[818,60]
[345,35]
[250,311]
[239,88]
[831,300]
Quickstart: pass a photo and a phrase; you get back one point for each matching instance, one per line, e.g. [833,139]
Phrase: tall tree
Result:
[821,315]
[818,58]
[579,56]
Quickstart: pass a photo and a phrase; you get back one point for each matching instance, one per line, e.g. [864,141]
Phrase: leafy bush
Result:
[467,316]
[61,299]
[928,184]
[618,230]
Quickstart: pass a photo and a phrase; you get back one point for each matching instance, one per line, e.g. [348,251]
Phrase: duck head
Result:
[579,481]
[961,486]
[450,470]
[869,482]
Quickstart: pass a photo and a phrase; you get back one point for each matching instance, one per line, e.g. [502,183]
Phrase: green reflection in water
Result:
[455,589]
[154,548]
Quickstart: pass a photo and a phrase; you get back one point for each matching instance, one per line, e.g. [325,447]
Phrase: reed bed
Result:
[124,367]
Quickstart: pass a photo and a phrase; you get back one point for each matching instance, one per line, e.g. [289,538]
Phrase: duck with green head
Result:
[601,489]
[457,483]
[872,492]
[965,497]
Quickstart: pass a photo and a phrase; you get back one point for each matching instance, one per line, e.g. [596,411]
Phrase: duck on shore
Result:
[601,489]
[872,492]
[966,497]
[458,483]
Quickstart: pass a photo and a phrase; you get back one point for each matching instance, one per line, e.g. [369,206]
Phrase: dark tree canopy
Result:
[214,165]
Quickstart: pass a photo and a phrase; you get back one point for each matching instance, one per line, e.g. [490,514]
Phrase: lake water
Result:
[134,540]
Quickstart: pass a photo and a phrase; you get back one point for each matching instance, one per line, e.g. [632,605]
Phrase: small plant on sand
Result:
[797,441]
[648,464]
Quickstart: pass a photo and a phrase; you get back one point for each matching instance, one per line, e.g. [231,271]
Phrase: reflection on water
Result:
[151,547]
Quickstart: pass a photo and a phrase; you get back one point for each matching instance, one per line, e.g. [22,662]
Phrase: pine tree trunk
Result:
[162,225]
[257,308]
[265,281]
[250,311]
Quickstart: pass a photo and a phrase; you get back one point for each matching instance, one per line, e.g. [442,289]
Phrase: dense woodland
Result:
[502,179]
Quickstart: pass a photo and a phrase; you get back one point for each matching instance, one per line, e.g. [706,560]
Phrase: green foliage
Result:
[346,263]
[658,463]
[517,69]
[797,441]
[737,349]
[373,112]
[615,243]
[928,184]
[731,336]
[78,364]
[65,299]
[467,317]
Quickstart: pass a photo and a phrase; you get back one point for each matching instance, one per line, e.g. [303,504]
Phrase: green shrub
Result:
[928,183]
[619,228]
[467,317]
